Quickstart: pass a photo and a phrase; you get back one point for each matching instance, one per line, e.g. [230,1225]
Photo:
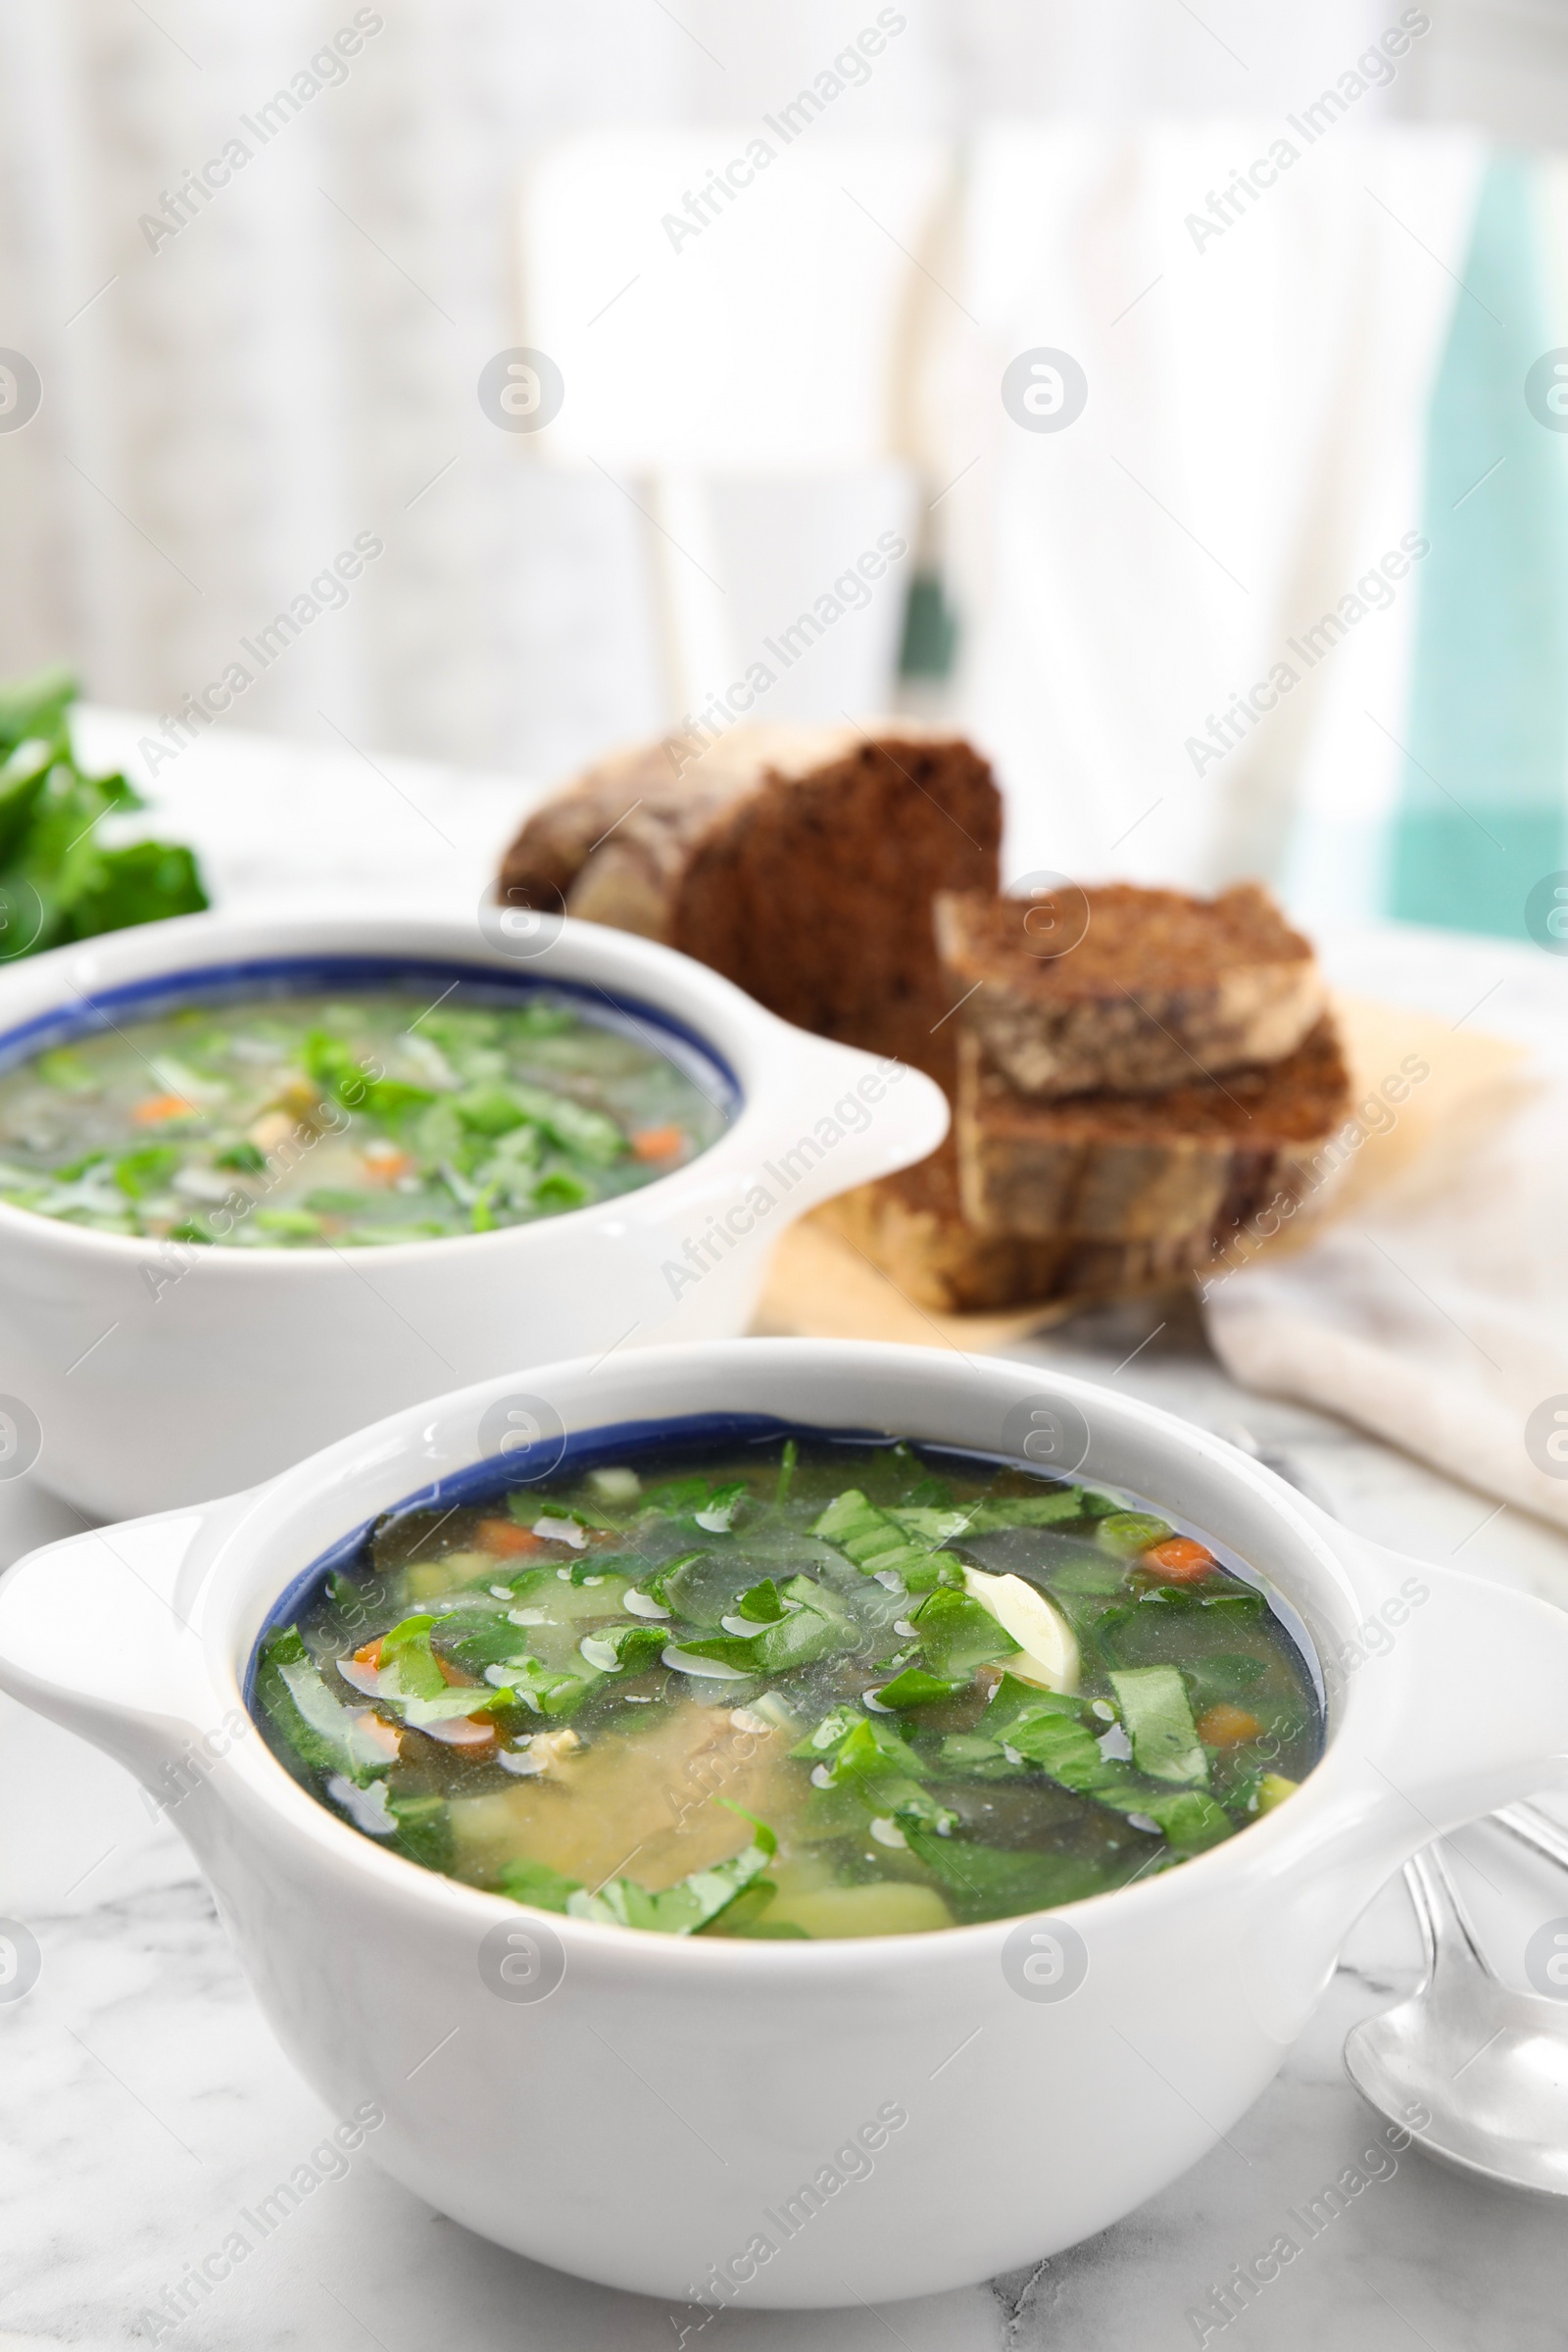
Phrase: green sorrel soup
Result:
[292,1121]
[791,1688]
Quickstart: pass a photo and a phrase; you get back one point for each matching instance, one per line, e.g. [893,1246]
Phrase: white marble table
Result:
[145,2103]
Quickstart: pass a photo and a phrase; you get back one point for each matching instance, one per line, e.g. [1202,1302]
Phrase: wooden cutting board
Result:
[820,1286]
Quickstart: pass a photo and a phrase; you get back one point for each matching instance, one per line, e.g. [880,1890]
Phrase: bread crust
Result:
[1154,988]
[799,862]
[1147,1168]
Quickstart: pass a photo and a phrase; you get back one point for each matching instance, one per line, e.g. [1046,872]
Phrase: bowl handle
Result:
[1449,1699]
[1472,1710]
[97,1632]
[861,1116]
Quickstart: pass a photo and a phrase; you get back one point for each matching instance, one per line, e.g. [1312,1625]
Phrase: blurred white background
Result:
[298,364]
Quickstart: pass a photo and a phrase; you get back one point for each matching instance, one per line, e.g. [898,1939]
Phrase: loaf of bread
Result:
[1127,989]
[912,1228]
[799,862]
[1145,1169]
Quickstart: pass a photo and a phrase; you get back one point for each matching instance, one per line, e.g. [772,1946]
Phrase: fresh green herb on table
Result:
[59,880]
[797,1690]
[298,1122]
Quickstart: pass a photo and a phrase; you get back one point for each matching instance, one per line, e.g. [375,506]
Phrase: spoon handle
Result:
[1446,1928]
[1536,1829]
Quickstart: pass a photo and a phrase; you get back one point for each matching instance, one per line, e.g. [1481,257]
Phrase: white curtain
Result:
[1251,449]
[230,404]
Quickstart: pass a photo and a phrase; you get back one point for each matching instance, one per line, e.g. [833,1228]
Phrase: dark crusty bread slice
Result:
[1158,989]
[911,1227]
[1146,1168]
[799,862]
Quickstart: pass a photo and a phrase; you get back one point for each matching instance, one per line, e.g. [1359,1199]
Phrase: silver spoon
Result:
[1489,2066]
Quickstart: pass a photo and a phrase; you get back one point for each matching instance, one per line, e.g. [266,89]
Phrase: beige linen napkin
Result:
[1434,1310]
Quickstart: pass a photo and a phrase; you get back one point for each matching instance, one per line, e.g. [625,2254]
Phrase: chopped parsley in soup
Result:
[793,1688]
[290,1121]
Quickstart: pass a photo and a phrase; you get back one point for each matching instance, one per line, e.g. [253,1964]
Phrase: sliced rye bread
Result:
[914,1230]
[1146,1168]
[1150,988]
[799,862]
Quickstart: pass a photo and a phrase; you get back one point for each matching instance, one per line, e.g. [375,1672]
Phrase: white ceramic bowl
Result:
[643,2111]
[153,1374]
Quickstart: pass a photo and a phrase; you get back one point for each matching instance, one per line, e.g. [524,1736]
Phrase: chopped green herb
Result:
[786,1471]
[1154,1708]
[537,1883]
[52,851]
[682,1909]
[65,1068]
[1129,1532]
[316,1729]
[879,1547]
[147,1170]
[956,1634]
[983,1882]
[914,1688]
[423,1831]
[249,1158]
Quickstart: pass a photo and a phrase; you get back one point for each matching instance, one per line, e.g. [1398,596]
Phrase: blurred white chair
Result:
[731,313]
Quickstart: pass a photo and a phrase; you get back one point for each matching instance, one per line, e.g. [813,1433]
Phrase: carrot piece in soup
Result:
[657,1142]
[505,1538]
[369,1654]
[1225,1725]
[385,1163]
[154,1107]
[1179,1559]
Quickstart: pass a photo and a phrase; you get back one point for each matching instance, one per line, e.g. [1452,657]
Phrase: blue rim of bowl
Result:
[286,976]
